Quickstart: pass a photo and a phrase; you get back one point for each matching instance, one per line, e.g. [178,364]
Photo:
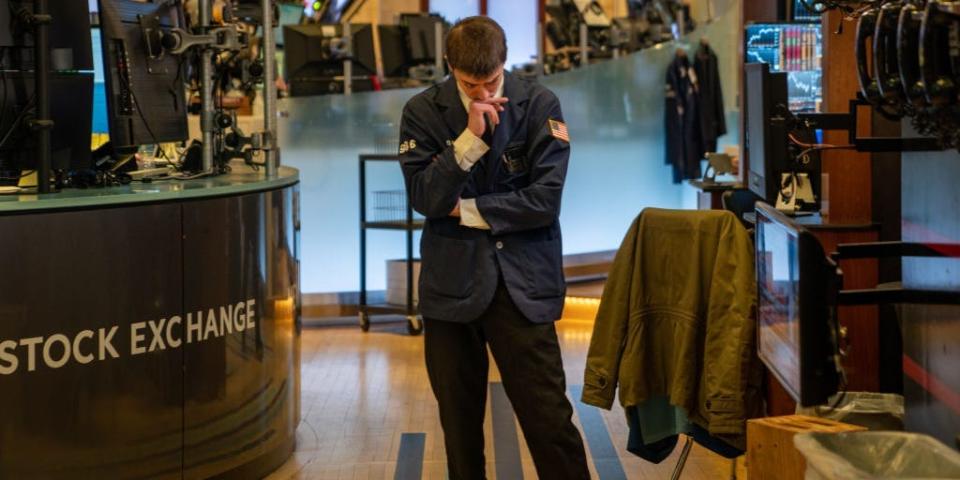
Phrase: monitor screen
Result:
[100,125]
[421,35]
[289,15]
[144,90]
[766,143]
[801,13]
[793,48]
[778,279]
[797,289]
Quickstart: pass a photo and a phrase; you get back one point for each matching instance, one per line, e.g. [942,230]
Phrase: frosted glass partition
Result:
[615,115]
[453,10]
[519,21]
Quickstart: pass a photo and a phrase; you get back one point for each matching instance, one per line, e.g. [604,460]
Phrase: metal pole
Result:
[584,56]
[681,24]
[206,86]
[42,123]
[348,63]
[271,154]
[682,462]
[438,51]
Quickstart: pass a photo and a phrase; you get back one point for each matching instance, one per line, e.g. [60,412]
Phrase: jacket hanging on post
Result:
[676,327]
[713,123]
[682,120]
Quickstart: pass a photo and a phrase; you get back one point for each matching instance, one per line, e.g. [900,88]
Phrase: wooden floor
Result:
[362,392]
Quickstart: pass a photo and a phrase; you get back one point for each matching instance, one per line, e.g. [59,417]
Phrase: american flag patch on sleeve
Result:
[559,130]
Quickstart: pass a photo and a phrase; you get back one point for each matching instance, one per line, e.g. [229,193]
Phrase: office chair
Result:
[742,203]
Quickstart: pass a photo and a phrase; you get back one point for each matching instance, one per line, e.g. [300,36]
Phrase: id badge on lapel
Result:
[515,158]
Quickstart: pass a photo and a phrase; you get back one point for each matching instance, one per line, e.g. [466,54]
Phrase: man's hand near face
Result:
[490,107]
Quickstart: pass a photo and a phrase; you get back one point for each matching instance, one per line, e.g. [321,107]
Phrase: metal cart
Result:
[408,225]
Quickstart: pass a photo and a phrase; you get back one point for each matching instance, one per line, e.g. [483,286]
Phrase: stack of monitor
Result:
[144,94]
[314,56]
[314,53]
[795,48]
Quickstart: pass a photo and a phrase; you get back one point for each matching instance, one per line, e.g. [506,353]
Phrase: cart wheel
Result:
[414,325]
[364,322]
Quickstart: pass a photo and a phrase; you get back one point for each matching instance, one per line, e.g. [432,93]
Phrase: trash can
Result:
[873,411]
[876,455]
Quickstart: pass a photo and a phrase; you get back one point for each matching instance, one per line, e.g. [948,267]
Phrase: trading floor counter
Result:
[151,330]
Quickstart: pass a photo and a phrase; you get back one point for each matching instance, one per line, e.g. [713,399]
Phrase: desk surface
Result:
[715,186]
[242,180]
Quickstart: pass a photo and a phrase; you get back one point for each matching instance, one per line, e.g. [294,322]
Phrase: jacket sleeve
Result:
[538,204]
[730,337]
[432,175]
[611,326]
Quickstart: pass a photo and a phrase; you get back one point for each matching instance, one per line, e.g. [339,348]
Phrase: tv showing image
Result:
[800,12]
[793,48]
[778,278]
[797,287]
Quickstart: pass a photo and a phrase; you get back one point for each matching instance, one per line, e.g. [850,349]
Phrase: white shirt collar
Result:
[466,100]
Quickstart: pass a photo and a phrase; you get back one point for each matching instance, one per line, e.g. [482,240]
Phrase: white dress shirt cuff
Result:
[470,215]
[468,149]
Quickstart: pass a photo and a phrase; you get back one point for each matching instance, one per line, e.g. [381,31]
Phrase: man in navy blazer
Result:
[484,156]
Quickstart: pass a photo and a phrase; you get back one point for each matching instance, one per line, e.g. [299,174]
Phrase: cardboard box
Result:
[770,450]
[397,281]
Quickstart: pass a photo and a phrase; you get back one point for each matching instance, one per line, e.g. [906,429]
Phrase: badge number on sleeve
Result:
[407,146]
[559,130]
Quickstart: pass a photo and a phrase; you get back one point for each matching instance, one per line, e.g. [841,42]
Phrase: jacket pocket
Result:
[448,266]
[544,269]
[514,169]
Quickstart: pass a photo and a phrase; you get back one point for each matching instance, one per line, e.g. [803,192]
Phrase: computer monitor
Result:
[290,14]
[145,94]
[314,55]
[422,36]
[766,130]
[100,123]
[69,35]
[800,11]
[796,308]
[71,101]
[393,52]
[793,48]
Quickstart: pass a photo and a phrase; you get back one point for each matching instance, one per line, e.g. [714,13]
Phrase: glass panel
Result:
[614,111]
[453,10]
[519,20]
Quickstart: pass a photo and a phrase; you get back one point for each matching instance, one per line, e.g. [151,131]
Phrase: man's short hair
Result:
[476,46]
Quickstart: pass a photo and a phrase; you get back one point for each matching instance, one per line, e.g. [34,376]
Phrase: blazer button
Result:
[499,245]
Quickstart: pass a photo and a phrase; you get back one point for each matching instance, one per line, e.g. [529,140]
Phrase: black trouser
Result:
[528,356]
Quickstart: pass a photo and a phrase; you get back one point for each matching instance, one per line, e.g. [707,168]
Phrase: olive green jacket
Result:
[676,319]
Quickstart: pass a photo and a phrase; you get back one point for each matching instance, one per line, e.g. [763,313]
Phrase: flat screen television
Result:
[802,11]
[796,308]
[793,48]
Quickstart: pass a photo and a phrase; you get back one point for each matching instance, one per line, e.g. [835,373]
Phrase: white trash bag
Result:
[874,411]
[876,455]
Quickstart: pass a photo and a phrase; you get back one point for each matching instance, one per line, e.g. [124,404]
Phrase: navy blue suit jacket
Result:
[518,185]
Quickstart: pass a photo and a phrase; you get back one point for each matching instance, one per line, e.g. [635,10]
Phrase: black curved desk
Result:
[151,330]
